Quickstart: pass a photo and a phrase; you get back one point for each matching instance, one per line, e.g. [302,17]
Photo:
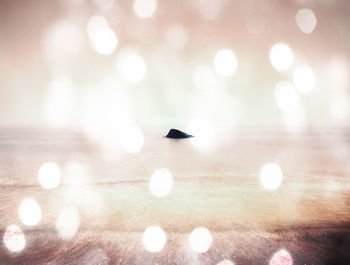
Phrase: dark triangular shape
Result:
[176,134]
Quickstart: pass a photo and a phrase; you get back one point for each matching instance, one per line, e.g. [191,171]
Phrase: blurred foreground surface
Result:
[103,202]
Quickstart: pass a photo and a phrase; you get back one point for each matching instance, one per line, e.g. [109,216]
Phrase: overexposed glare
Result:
[154,239]
[306,20]
[271,176]
[225,63]
[104,41]
[281,257]
[204,78]
[145,8]
[286,96]
[132,67]
[161,182]
[29,212]
[14,238]
[203,132]
[49,175]
[59,106]
[304,79]
[68,222]
[281,56]
[200,239]
[131,139]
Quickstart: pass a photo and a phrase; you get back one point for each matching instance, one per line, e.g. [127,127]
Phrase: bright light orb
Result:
[49,175]
[306,20]
[200,239]
[282,257]
[105,41]
[29,212]
[68,222]
[132,67]
[14,238]
[281,56]
[95,24]
[145,8]
[225,63]
[225,262]
[60,102]
[203,132]
[161,182]
[131,139]
[271,176]
[304,79]
[154,239]
[286,96]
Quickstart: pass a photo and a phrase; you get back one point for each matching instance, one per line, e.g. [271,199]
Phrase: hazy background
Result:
[91,63]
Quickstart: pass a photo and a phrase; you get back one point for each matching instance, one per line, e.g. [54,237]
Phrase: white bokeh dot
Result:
[49,175]
[29,212]
[154,239]
[281,56]
[271,176]
[286,96]
[304,79]
[131,66]
[200,239]
[225,62]
[306,20]
[161,182]
[14,238]
[68,222]
[145,8]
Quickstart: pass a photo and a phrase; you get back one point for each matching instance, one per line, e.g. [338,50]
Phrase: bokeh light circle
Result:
[286,96]
[145,8]
[306,20]
[154,239]
[281,257]
[304,79]
[161,182]
[105,41]
[49,175]
[68,222]
[29,212]
[132,67]
[14,238]
[225,62]
[271,176]
[131,139]
[200,239]
[281,56]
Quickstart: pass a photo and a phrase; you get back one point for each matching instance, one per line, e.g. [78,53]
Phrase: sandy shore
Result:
[216,186]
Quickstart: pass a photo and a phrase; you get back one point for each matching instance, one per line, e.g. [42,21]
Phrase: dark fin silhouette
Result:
[176,134]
